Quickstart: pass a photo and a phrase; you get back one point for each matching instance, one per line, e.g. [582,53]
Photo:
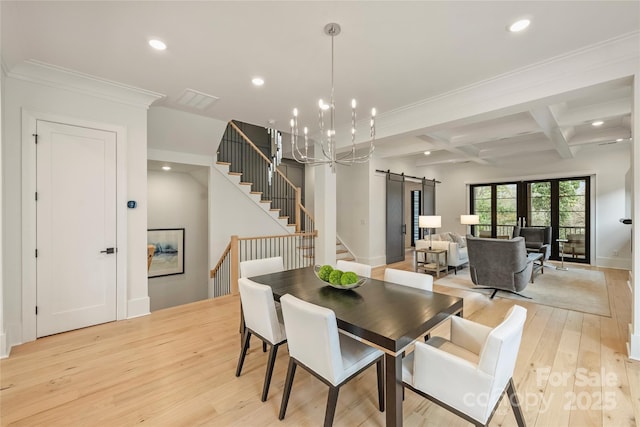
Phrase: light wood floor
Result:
[176,367]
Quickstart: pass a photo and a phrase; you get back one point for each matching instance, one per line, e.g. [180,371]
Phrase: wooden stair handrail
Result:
[215,269]
[308,234]
[266,159]
[232,251]
[306,211]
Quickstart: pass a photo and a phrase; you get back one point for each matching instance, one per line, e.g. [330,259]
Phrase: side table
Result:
[435,264]
[561,242]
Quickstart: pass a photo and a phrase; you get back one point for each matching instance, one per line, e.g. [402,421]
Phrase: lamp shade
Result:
[429,221]
[469,219]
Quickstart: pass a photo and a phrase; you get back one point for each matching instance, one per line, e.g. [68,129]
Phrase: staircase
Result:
[247,167]
[257,196]
[342,252]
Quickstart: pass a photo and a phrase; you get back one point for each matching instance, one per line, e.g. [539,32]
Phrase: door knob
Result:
[108,251]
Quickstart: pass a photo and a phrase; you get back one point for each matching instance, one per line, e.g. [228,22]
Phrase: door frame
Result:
[29,275]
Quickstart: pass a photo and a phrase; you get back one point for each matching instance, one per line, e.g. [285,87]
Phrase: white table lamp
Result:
[429,221]
[470,220]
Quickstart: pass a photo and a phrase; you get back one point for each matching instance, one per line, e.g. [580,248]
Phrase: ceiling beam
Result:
[549,125]
[467,152]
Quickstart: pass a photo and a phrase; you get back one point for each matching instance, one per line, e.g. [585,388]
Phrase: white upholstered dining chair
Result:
[258,267]
[315,344]
[262,320]
[358,268]
[409,278]
[468,374]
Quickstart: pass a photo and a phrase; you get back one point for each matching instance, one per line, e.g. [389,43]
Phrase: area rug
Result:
[574,289]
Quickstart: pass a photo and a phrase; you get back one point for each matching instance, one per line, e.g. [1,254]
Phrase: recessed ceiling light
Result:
[597,123]
[426,153]
[257,81]
[619,140]
[519,25]
[157,44]
[166,168]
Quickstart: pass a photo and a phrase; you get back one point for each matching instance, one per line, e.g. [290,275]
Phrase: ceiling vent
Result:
[197,100]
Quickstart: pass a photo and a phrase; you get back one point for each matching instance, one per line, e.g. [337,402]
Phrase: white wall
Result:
[178,200]
[352,203]
[609,165]
[22,94]
[174,130]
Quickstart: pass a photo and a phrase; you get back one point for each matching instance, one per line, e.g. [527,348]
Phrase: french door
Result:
[561,203]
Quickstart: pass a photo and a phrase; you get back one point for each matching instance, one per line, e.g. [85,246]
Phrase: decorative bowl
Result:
[361,281]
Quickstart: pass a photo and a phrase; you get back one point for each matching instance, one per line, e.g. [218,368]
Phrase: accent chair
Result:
[469,374]
[536,239]
[499,264]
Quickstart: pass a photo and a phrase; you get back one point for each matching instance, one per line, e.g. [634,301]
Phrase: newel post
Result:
[235,264]
[298,204]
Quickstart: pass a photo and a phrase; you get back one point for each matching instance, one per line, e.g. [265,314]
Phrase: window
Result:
[482,206]
[415,214]
[562,204]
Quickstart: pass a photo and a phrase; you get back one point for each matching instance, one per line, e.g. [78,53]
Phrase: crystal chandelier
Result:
[327,144]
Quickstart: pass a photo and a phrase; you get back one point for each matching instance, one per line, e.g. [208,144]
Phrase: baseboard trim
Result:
[138,307]
[9,338]
[617,263]
[4,351]
[633,346]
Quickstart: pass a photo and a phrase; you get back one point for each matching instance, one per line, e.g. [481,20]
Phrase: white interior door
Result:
[76,227]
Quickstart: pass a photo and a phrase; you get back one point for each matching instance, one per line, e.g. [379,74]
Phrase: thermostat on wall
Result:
[131,204]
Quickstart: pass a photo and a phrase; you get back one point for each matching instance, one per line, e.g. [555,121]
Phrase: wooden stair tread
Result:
[255,192]
[342,251]
[223,163]
[246,183]
[274,209]
[235,173]
[266,201]
[283,217]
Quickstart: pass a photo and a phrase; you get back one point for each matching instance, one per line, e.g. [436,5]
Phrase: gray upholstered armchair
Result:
[536,239]
[499,264]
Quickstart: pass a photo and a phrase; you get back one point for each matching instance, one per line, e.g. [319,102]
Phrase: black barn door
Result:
[395,218]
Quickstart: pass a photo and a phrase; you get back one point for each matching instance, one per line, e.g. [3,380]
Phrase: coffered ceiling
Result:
[390,54]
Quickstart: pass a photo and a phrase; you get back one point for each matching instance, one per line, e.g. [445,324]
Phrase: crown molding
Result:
[62,78]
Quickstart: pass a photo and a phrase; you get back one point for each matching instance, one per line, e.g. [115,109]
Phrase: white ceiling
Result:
[390,54]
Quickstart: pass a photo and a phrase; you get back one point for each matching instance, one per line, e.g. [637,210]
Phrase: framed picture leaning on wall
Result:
[168,257]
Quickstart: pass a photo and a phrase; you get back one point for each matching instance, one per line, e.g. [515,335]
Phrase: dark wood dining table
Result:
[382,314]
